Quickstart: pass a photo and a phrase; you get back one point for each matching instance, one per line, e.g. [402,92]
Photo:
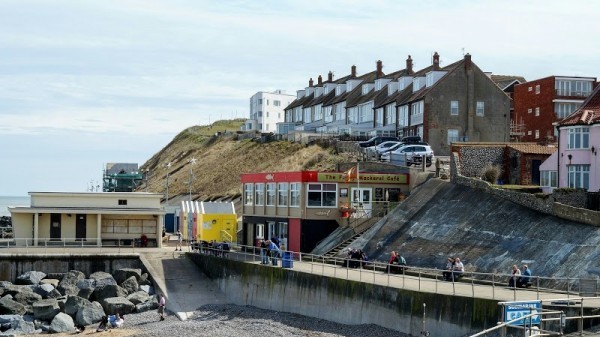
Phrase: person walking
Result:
[161,307]
[179,240]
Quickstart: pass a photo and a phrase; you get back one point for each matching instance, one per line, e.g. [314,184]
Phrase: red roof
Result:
[588,113]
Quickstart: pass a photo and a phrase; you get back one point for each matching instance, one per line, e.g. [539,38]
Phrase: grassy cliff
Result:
[220,159]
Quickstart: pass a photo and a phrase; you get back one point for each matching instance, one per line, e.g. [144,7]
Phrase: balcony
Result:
[571,93]
[416,119]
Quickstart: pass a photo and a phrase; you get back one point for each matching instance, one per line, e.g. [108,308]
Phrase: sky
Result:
[85,83]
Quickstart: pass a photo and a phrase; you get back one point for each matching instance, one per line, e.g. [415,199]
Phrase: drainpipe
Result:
[558,156]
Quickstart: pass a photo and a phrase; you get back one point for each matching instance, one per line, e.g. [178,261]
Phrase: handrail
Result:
[227,237]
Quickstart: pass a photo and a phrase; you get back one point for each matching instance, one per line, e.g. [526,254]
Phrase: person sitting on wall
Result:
[516,275]
[449,267]
[525,280]
[458,269]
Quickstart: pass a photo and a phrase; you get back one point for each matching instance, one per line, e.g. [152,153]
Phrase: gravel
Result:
[232,320]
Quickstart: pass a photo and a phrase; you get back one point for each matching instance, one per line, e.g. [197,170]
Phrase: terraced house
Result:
[458,102]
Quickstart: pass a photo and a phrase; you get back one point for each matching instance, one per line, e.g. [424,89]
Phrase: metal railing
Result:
[64,244]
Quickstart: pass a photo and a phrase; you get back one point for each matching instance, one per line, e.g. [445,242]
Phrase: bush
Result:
[491,173]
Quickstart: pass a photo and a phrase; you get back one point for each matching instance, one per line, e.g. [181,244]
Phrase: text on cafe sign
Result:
[366,178]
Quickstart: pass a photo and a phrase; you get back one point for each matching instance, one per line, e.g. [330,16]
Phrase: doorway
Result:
[80,230]
[362,202]
[55,226]
[535,171]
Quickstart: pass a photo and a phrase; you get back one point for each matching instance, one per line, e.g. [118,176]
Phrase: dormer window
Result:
[392,87]
[339,90]
[365,89]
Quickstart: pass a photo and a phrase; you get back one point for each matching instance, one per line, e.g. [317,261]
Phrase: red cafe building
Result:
[302,208]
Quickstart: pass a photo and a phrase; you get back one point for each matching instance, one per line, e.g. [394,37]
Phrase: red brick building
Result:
[541,102]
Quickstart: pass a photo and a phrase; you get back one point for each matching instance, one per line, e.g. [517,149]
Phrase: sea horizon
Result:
[8,200]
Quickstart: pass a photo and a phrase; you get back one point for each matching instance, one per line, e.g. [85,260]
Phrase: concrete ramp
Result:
[186,288]
[490,234]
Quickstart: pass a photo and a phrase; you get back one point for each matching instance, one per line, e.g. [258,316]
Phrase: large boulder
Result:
[46,290]
[107,291]
[30,277]
[16,325]
[86,287]
[54,282]
[138,297]
[68,284]
[46,309]
[113,305]
[62,323]
[103,279]
[74,303]
[151,304]
[14,289]
[122,274]
[130,285]
[89,314]
[27,298]
[8,306]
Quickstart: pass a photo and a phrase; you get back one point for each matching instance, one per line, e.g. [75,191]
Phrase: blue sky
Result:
[83,83]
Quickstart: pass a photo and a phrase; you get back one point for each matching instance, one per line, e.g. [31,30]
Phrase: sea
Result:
[6,201]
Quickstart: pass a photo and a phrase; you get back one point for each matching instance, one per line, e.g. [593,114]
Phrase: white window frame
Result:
[579,176]
[453,136]
[248,194]
[537,134]
[259,194]
[326,193]
[537,111]
[480,111]
[270,194]
[294,194]
[529,110]
[578,138]
[549,179]
[537,89]
[454,108]
[282,194]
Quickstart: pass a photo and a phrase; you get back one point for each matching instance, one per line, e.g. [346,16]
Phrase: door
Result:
[80,223]
[55,226]
[535,171]
[362,202]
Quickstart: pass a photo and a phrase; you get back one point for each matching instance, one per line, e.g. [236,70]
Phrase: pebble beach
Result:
[232,320]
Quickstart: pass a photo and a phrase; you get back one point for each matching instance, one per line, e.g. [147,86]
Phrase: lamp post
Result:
[146,173]
[192,163]
[168,165]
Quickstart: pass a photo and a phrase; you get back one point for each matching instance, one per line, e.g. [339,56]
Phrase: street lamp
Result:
[168,165]
[192,163]
[146,173]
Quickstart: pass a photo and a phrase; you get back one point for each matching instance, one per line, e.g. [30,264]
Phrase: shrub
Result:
[491,173]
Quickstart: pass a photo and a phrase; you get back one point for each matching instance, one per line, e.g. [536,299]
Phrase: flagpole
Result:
[357,174]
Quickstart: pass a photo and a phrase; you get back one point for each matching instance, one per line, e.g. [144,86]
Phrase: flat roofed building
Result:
[88,218]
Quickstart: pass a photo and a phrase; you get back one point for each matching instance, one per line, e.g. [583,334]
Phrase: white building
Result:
[266,110]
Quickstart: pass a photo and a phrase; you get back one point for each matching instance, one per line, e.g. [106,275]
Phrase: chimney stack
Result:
[409,65]
[310,82]
[379,69]
[330,77]
[436,61]
[468,63]
[353,71]
[319,80]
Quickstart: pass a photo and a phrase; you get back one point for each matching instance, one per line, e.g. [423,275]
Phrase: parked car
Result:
[375,151]
[409,154]
[376,141]
[411,139]
[396,146]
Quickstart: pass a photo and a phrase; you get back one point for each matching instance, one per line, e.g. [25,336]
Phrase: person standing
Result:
[274,250]
[161,307]
[264,256]
[179,240]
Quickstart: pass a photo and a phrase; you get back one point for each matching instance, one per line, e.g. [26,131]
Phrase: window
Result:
[282,194]
[537,134]
[122,202]
[529,88]
[260,231]
[562,110]
[322,195]
[579,176]
[267,102]
[480,109]
[529,133]
[276,103]
[259,192]
[259,114]
[579,138]
[270,194]
[267,114]
[549,179]
[537,89]
[260,101]
[248,193]
[294,194]
[452,136]
[537,111]
[454,108]
[529,111]
[390,114]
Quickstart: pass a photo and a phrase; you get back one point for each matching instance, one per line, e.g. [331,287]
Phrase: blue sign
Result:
[515,310]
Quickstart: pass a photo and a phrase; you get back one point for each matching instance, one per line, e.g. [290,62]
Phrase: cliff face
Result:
[220,157]
[489,234]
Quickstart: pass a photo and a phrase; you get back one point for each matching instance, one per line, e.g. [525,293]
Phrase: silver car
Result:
[409,154]
[375,151]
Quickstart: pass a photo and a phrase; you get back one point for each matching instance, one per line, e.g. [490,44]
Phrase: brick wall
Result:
[525,100]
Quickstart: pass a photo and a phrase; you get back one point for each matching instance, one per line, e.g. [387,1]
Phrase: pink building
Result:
[576,164]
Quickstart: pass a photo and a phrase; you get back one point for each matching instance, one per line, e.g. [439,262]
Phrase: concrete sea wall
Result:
[346,301]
